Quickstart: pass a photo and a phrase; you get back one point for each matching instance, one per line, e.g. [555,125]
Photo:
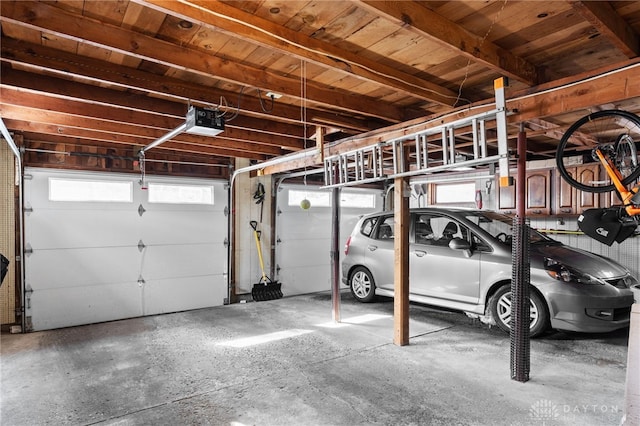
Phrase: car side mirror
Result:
[461,244]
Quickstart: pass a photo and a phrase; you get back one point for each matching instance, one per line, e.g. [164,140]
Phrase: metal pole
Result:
[335,254]
[520,309]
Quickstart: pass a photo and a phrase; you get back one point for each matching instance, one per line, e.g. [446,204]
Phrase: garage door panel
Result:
[162,227]
[183,260]
[58,307]
[304,226]
[72,268]
[303,253]
[86,228]
[181,294]
[302,280]
[86,258]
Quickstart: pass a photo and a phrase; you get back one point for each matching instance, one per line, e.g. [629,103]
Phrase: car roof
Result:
[450,210]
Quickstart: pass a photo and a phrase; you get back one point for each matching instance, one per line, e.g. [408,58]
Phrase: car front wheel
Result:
[500,305]
[362,284]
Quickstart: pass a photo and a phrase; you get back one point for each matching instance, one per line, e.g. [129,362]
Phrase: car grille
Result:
[625,282]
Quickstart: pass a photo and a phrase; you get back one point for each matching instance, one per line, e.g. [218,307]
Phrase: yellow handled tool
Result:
[265,289]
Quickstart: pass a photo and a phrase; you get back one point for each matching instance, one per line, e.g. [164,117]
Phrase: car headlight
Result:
[561,272]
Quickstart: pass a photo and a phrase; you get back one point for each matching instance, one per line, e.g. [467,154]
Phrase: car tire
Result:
[362,285]
[500,305]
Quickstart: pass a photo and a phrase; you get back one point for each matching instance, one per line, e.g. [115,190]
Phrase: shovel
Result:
[265,288]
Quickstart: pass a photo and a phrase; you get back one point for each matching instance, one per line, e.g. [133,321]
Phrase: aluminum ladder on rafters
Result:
[390,159]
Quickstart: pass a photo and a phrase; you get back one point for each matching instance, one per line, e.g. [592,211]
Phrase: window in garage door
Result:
[100,251]
[304,236]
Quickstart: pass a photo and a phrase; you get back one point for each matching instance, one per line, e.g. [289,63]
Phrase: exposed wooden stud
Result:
[247,26]
[401,262]
[608,23]
[427,23]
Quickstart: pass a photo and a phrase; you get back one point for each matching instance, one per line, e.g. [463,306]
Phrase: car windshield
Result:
[500,227]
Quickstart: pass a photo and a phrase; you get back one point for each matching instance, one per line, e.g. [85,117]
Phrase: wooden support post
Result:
[401,264]
[320,141]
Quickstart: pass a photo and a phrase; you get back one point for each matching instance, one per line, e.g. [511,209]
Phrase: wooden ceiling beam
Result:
[65,89]
[48,18]
[424,22]
[128,133]
[138,123]
[37,141]
[92,137]
[237,23]
[132,80]
[545,101]
[608,23]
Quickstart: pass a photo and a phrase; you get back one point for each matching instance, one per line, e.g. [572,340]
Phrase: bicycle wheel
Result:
[616,133]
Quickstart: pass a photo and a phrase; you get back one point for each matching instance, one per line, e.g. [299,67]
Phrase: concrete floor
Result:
[192,368]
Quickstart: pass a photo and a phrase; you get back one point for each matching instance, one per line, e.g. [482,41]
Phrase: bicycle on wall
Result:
[607,138]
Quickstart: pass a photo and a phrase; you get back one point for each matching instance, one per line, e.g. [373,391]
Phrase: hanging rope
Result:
[304,204]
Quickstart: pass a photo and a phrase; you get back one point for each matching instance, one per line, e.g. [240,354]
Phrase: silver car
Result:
[461,259]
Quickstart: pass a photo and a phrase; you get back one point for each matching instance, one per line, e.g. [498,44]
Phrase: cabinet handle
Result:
[536,211]
[565,210]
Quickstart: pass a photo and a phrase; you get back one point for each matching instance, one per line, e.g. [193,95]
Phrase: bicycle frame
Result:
[626,195]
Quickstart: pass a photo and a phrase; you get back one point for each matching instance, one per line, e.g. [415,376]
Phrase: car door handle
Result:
[372,247]
[420,253]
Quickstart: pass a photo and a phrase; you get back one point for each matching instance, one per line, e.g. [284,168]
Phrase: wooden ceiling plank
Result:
[49,18]
[588,89]
[95,134]
[120,120]
[608,23]
[67,64]
[424,22]
[259,30]
[108,99]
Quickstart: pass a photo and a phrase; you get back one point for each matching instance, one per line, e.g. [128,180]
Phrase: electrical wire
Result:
[468,67]
[265,109]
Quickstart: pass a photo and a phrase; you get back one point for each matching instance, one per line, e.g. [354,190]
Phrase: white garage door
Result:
[304,236]
[101,248]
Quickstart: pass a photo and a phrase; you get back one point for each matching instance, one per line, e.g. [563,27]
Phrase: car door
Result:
[435,269]
[379,253]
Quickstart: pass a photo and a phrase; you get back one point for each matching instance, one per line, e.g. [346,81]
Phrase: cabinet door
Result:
[565,200]
[538,201]
[569,200]
[587,200]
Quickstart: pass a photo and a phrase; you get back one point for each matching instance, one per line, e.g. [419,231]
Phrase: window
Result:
[385,229]
[180,194]
[323,199]
[438,230]
[450,193]
[368,226]
[79,190]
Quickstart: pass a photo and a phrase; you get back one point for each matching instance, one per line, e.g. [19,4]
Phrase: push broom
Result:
[265,289]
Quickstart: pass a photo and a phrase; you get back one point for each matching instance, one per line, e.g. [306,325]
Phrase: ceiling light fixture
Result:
[273,95]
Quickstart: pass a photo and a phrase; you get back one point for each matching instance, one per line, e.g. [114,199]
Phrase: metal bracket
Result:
[28,250]
[141,246]
[141,210]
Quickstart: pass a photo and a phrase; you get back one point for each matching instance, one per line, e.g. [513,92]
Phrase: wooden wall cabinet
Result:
[537,196]
[570,201]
